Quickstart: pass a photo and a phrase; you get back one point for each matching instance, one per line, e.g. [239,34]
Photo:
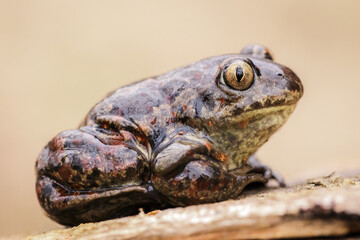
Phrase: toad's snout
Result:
[293,84]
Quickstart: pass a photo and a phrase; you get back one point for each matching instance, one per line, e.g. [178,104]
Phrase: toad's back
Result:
[159,101]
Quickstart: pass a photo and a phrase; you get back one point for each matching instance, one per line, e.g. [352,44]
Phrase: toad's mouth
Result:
[265,117]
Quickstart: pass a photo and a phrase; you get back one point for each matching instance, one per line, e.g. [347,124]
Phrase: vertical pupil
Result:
[239,73]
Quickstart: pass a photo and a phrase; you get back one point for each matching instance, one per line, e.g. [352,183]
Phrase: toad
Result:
[182,138]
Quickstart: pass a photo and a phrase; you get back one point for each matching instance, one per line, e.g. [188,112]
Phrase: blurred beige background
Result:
[58,58]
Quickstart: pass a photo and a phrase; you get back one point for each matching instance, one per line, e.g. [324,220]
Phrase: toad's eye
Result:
[238,75]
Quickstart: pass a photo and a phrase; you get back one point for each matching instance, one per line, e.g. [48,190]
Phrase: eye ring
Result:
[238,75]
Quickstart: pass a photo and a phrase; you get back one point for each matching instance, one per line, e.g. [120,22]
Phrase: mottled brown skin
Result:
[182,138]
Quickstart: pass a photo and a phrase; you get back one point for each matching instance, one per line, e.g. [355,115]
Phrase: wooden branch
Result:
[327,206]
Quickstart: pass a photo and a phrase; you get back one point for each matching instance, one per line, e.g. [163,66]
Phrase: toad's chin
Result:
[242,135]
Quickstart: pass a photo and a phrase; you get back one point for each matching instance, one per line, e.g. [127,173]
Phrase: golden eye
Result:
[238,75]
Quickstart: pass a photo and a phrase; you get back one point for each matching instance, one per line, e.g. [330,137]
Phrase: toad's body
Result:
[182,138]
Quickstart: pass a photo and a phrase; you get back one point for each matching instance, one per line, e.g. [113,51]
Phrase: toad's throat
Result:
[239,137]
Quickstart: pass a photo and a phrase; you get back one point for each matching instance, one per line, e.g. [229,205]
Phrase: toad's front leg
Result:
[186,171]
